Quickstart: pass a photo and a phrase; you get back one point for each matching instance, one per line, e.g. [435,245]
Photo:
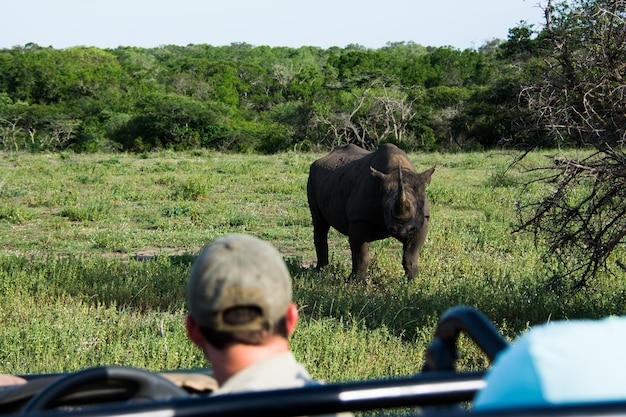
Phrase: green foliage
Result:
[193,188]
[92,211]
[168,121]
[14,214]
[259,99]
[48,76]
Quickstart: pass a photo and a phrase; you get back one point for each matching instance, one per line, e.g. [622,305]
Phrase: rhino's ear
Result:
[427,174]
[377,174]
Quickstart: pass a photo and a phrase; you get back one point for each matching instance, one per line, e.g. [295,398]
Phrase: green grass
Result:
[74,291]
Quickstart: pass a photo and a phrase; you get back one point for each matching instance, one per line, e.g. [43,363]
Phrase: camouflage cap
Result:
[238,270]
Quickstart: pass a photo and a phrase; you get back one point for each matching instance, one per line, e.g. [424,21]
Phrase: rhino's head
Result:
[404,201]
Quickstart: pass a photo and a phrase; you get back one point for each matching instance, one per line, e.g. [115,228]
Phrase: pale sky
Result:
[292,23]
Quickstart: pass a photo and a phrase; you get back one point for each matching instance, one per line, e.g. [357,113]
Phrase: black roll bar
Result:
[442,353]
[419,390]
[437,386]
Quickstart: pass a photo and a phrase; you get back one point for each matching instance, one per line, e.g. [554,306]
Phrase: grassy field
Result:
[95,251]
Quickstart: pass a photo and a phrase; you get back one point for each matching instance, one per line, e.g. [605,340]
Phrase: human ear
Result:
[193,331]
[291,318]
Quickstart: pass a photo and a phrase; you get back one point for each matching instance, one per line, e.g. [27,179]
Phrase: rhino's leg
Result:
[360,257]
[320,228]
[320,240]
[409,260]
[411,250]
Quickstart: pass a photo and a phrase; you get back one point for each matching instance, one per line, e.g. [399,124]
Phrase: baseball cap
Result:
[238,270]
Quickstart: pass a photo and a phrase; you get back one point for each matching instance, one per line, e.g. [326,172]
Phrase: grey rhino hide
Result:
[369,196]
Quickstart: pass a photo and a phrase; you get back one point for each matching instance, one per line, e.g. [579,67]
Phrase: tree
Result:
[579,99]
[46,75]
[11,115]
[171,121]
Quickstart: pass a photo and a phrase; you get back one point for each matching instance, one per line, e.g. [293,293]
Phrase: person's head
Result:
[239,292]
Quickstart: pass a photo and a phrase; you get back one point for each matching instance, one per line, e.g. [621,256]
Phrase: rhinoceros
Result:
[369,196]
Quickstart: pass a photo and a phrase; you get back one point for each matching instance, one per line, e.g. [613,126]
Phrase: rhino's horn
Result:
[401,202]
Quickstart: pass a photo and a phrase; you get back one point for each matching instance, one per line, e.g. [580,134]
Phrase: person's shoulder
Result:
[8,380]
[276,372]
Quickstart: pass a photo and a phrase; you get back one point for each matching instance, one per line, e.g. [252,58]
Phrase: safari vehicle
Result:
[438,389]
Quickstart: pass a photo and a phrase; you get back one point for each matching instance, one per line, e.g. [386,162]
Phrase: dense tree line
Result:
[258,98]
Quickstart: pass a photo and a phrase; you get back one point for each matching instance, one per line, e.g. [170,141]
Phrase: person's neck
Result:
[237,357]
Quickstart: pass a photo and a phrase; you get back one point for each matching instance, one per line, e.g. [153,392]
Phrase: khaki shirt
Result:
[278,372]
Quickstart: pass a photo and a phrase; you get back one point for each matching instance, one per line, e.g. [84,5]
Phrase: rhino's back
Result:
[339,169]
[342,190]
[388,156]
[341,187]
[340,157]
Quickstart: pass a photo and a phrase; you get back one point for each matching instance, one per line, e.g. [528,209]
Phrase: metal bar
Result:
[419,391]
[441,354]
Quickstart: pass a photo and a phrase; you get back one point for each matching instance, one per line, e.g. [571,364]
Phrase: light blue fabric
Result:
[567,362]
